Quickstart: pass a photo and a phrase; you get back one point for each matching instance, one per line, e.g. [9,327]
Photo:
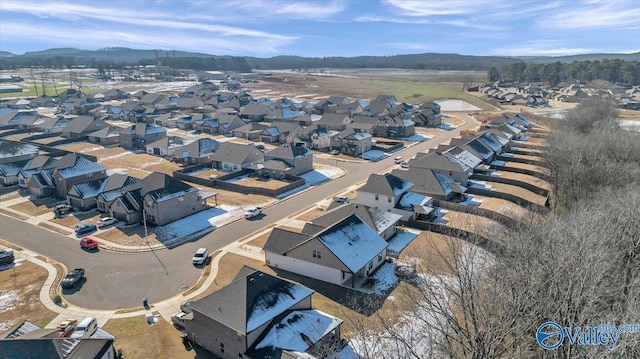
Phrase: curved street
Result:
[120,280]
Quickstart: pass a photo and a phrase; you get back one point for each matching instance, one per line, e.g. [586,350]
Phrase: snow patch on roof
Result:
[266,310]
[289,332]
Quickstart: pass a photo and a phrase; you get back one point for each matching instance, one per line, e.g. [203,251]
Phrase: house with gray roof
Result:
[287,159]
[84,195]
[82,126]
[33,166]
[166,199]
[234,156]
[250,131]
[382,191]
[106,136]
[138,135]
[381,221]
[196,152]
[254,112]
[448,166]
[347,252]
[14,156]
[334,121]
[167,146]
[259,316]
[351,142]
[432,183]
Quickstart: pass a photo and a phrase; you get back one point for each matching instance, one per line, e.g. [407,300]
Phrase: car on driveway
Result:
[66,328]
[334,152]
[88,243]
[61,210]
[404,164]
[200,257]
[253,212]
[73,277]
[106,221]
[186,306]
[83,228]
[6,257]
[398,160]
[178,320]
[341,199]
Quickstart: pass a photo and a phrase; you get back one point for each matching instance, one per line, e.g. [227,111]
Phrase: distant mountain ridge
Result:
[436,61]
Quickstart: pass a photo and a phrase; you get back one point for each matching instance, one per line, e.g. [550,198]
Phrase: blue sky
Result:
[326,27]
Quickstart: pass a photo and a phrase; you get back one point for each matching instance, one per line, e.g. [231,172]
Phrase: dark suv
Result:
[6,257]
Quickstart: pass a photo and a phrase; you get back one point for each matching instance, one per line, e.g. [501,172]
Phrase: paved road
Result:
[118,280]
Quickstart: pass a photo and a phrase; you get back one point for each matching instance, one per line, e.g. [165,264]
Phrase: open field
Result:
[30,90]
[19,296]
[405,90]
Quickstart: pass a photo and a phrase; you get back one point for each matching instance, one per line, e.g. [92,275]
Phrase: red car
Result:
[66,328]
[88,243]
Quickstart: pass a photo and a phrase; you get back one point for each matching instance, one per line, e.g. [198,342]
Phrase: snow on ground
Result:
[374,155]
[630,125]
[523,138]
[113,157]
[498,163]
[91,149]
[417,138]
[514,149]
[117,170]
[446,126]
[401,240]
[149,164]
[314,177]
[504,154]
[207,219]
[199,171]
[478,184]
[456,105]
[494,174]
[8,301]
[386,278]
[471,201]
[414,329]
[229,214]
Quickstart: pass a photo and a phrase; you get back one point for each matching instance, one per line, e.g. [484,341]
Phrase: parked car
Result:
[178,320]
[88,243]
[66,327]
[334,152]
[61,210]
[200,257]
[106,221]
[404,164]
[186,306]
[6,257]
[398,160]
[253,212]
[73,277]
[86,328]
[83,228]
[341,199]
[196,132]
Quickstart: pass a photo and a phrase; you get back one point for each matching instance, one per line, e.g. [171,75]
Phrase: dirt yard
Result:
[505,207]
[518,191]
[81,147]
[540,183]
[269,183]
[19,296]
[527,166]
[37,208]
[48,140]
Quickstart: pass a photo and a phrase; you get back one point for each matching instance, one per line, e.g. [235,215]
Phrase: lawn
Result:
[137,339]
[19,296]
[30,90]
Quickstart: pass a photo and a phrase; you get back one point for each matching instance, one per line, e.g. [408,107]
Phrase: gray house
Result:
[261,316]
[85,195]
[448,166]
[234,156]
[166,199]
[287,159]
[138,135]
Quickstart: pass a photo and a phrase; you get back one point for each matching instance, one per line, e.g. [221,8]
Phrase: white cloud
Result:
[396,20]
[415,46]
[543,48]
[596,15]
[438,8]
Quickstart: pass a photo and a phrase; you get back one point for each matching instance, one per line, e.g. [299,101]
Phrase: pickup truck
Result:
[253,212]
[73,277]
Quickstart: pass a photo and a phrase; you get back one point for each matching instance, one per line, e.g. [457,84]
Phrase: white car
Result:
[106,221]
[253,212]
[341,199]
[404,164]
[397,160]
[200,257]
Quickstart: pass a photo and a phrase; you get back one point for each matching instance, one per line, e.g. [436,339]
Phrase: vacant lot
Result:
[38,207]
[48,140]
[19,296]
[81,147]
[260,182]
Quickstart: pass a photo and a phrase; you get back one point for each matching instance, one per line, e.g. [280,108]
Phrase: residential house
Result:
[115,94]
[254,112]
[316,138]
[382,191]
[381,221]
[43,101]
[228,123]
[197,152]
[234,156]
[448,166]
[475,147]
[138,135]
[33,166]
[432,183]
[27,340]
[168,103]
[106,136]
[132,112]
[125,205]
[166,199]
[18,104]
[250,131]
[352,143]
[117,185]
[342,253]
[395,127]
[287,159]
[150,99]
[167,146]
[189,103]
[283,114]
[428,117]
[261,316]
[270,135]
[334,121]
[53,125]
[83,196]
[13,157]
[82,126]
[289,131]
[57,179]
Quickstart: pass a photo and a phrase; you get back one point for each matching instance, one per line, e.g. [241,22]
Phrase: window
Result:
[377,197]
[316,254]
[222,347]
[389,199]
[370,265]
[380,257]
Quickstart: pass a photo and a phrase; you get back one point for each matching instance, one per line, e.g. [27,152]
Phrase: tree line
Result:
[614,71]
[577,266]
